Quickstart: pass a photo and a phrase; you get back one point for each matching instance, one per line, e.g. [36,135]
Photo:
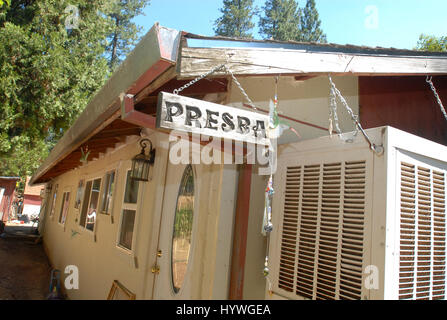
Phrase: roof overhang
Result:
[155,53]
[165,58]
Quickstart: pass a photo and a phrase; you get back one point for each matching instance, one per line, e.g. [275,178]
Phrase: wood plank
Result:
[125,132]
[196,61]
[406,103]
[240,233]
[154,85]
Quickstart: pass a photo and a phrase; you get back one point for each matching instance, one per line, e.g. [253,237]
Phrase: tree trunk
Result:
[114,44]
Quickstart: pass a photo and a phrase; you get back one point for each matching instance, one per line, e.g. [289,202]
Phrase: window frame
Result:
[61,209]
[79,192]
[128,206]
[87,180]
[105,189]
[53,201]
[194,219]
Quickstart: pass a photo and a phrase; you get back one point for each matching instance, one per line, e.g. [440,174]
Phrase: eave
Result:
[154,54]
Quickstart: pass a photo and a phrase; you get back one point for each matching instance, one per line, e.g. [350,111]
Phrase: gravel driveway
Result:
[24,267]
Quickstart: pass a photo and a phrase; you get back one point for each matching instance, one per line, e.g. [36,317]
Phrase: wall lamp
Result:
[142,162]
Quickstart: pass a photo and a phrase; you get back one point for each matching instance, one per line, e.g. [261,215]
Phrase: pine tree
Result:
[281,20]
[310,24]
[48,73]
[236,19]
[125,33]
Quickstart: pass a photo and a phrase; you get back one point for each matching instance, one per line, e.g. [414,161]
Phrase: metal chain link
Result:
[333,112]
[240,88]
[336,93]
[430,82]
[215,69]
[333,108]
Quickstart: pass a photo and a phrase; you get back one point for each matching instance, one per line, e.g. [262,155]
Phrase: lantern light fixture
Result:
[141,162]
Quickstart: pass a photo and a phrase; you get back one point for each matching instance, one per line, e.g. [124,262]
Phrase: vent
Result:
[290,225]
[323,229]
[422,233]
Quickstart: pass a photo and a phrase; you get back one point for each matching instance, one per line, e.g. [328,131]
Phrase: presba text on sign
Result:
[181,113]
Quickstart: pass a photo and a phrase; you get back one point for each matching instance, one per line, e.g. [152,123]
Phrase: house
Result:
[7,189]
[193,231]
[32,199]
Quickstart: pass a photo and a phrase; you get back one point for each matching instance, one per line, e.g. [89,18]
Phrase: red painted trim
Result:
[128,112]
[150,75]
[140,119]
[240,233]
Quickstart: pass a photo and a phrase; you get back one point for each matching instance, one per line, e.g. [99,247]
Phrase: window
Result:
[64,207]
[53,203]
[128,213]
[127,228]
[79,194]
[106,200]
[90,204]
[182,233]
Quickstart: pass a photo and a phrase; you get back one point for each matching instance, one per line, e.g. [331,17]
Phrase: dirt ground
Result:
[24,267]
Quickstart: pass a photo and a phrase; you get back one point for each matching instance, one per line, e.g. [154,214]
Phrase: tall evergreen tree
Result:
[125,33]
[281,20]
[236,19]
[310,29]
[48,73]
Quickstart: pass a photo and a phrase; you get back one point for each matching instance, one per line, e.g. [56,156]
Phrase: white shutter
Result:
[422,250]
[323,234]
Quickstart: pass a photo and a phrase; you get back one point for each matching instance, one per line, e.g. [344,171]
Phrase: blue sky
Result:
[385,23]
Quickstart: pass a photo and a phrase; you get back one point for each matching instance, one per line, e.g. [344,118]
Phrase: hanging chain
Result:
[240,87]
[333,113]
[215,69]
[430,82]
[336,93]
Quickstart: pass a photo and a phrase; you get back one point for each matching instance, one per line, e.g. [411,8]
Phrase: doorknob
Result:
[155,269]
[159,253]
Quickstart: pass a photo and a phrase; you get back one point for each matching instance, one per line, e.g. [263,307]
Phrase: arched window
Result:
[182,231]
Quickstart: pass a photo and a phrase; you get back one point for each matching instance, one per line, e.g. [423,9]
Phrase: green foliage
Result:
[49,73]
[310,30]
[284,20]
[281,20]
[124,34]
[431,43]
[236,19]
[8,2]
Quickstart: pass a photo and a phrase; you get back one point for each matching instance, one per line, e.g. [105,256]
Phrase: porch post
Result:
[240,232]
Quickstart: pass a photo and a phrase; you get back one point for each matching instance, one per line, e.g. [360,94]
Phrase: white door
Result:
[177,277]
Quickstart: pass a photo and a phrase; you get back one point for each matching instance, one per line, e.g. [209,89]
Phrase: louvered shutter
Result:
[322,211]
[422,250]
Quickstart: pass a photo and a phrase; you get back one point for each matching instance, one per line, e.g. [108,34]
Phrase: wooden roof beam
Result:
[269,61]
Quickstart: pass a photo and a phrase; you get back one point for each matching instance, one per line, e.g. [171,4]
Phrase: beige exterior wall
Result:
[102,261]
[303,100]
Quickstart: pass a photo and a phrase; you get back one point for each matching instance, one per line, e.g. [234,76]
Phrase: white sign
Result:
[176,112]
